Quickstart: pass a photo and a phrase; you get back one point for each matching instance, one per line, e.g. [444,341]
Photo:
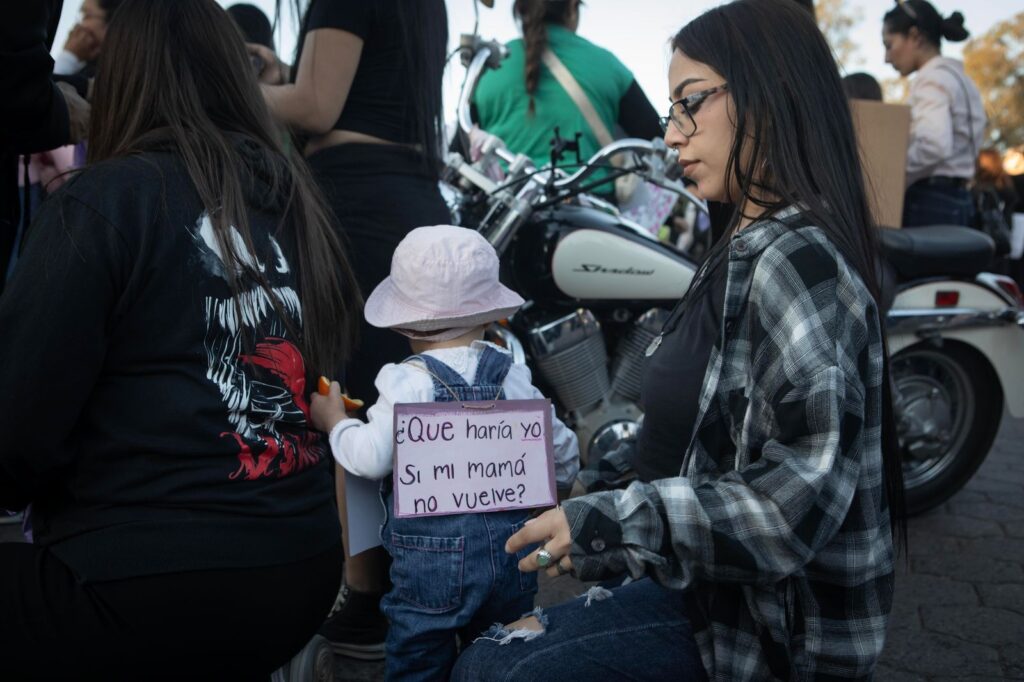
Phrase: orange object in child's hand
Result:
[323,387]
[351,404]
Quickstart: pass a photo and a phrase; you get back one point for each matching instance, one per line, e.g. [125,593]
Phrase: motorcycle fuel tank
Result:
[600,264]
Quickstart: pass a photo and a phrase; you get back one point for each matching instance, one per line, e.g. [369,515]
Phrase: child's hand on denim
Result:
[325,411]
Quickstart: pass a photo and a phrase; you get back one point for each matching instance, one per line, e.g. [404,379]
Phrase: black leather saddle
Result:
[918,252]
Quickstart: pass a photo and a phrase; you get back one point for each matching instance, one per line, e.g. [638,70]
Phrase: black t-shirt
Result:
[152,427]
[674,373]
[378,101]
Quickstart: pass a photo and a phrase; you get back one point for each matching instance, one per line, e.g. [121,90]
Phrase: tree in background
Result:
[995,61]
[837,20]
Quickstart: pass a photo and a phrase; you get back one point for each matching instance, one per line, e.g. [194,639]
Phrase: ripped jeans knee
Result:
[531,626]
[534,624]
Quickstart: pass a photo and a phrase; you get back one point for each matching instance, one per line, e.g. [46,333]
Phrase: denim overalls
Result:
[450,574]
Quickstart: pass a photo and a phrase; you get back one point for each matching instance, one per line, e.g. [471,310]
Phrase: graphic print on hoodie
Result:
[262,385]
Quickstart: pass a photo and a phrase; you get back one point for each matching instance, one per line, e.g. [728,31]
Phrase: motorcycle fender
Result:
[1002,345]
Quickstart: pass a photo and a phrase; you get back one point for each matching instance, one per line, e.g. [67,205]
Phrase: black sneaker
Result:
[355,627]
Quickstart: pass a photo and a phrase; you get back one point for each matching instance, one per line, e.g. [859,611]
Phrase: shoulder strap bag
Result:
[625,185]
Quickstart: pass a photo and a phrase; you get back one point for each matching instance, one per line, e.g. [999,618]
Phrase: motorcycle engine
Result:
[602,405]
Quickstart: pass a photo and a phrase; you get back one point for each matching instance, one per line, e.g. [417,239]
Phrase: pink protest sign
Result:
[470,457]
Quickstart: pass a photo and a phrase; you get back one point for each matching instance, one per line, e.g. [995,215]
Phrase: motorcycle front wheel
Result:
[948,405]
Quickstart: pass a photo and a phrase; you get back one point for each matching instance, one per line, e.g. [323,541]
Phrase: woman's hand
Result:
[325,411]
[82,43]
[274,71]
[551,529]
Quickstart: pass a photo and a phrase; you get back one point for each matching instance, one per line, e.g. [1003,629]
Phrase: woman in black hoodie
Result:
[174,302]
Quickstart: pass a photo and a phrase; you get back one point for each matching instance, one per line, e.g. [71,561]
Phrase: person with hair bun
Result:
[947,115]
[523,102]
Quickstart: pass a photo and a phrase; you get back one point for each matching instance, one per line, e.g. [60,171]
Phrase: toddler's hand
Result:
[325,411]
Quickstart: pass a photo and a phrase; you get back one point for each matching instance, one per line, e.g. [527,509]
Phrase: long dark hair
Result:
[109,6]
[534,16]
[793,121]
[923,15]
[174,74]
[424,26]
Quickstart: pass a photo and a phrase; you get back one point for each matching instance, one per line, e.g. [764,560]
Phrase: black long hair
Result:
[110,7]
[174,74]
[534,17]
[923,15]
[424,26]
[793,121]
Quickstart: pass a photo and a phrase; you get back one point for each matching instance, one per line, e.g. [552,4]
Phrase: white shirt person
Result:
[947,121]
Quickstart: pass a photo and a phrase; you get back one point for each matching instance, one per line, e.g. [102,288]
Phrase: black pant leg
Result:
[228,624]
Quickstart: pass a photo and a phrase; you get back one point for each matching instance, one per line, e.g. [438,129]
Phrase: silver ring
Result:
[544,558]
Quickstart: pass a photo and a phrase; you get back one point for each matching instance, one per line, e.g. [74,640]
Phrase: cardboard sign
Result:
[364,512]
[471,457]
[883,134]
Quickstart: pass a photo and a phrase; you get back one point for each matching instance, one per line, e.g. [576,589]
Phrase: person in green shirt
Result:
[522,102]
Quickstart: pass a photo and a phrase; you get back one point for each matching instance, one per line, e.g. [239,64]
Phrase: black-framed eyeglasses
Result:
[682,111]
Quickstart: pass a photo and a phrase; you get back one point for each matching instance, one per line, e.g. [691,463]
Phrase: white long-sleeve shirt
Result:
[366,448]
[942,141]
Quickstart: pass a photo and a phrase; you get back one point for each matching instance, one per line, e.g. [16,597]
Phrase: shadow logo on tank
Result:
[604,270]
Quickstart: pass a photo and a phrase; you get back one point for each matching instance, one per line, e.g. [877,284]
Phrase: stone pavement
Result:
[959,610]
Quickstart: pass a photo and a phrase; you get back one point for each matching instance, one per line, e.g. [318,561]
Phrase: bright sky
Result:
[638,31]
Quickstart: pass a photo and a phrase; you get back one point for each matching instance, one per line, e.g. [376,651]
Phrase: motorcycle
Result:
[956,339]
[599,288]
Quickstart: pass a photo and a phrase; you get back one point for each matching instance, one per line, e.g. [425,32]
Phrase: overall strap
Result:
[442,372]
[448,384]
[492,368]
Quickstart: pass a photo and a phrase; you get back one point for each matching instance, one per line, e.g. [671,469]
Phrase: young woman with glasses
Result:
[947,115]
[759,534]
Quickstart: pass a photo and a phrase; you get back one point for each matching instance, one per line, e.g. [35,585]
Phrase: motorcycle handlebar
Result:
[653,148]
[596,162]
[482,55]
[478,56]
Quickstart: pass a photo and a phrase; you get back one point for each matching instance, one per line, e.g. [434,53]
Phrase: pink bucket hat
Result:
[443,279]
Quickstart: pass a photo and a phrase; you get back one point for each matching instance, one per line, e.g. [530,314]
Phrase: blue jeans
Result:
[451,576]
[925,205]
[641,632]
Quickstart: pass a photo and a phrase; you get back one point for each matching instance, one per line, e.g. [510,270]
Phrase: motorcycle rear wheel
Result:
[951,404]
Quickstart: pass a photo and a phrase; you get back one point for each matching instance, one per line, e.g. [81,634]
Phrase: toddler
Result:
[450,574]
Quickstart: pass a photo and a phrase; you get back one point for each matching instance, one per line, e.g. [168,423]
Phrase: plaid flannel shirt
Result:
[777,528]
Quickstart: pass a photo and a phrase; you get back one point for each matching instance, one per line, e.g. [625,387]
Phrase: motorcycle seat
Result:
[940,250]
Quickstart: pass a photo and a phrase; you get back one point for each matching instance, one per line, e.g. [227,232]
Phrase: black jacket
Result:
[151,427]
[33,117]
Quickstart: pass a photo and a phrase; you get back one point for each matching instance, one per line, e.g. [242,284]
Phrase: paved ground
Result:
[959,612]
